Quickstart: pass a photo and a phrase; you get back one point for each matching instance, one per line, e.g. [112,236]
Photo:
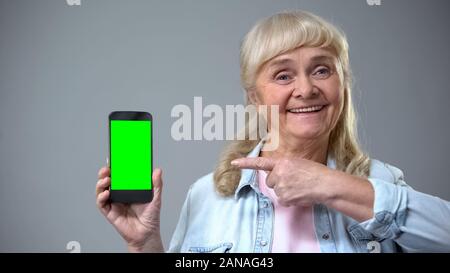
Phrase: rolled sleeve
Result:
[390,207]
[416,221]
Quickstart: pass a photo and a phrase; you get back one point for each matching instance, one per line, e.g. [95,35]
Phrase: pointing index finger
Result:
[255,163]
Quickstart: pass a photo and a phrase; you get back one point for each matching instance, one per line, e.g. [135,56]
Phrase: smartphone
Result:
[131,156]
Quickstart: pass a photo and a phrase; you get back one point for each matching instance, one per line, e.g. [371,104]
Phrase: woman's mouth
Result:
[306,110]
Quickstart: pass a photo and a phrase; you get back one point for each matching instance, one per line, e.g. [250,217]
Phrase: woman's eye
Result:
[283,78]
[322,72]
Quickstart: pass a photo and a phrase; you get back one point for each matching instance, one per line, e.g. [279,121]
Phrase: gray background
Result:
[63,69]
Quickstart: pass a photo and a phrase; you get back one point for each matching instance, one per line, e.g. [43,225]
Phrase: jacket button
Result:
[326,236]
[263,243]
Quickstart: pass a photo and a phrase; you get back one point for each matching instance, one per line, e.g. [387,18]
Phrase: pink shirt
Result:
[293,229]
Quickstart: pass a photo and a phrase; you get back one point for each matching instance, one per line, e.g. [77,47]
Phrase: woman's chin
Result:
[306,134]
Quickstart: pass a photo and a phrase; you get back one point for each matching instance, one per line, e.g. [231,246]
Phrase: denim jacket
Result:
[404,220]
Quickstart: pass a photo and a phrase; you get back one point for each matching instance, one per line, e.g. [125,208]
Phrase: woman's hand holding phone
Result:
[138,224]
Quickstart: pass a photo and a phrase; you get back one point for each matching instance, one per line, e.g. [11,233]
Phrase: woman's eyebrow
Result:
[322,58]
[315,59]
[284,61]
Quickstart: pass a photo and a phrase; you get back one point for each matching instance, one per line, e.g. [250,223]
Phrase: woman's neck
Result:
[315,150]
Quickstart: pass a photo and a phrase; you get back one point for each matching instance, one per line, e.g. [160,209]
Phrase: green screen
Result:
[131,162]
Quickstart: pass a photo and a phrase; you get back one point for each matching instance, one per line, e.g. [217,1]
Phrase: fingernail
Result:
[235,162]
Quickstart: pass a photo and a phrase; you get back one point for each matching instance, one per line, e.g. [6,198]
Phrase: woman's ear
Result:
[253,97]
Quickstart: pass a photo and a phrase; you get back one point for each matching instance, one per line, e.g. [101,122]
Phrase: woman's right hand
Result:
[138,224]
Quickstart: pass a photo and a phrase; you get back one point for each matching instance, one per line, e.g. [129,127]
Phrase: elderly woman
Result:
[317,192]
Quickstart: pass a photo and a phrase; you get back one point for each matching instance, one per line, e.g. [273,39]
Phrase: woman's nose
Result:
[304,88]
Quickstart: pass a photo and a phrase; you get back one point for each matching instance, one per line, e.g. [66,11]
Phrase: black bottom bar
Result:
[131,196]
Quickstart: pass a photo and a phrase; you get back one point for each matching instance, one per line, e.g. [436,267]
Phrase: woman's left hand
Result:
[295,181]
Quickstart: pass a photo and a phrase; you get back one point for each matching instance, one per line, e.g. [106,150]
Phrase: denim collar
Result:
[248,176]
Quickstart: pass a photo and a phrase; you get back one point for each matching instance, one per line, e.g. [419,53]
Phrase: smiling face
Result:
[306,86]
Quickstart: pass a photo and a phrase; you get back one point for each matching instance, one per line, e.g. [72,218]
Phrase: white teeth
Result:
[306,109]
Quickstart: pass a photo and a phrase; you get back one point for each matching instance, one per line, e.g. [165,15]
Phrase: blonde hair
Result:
[276,35]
